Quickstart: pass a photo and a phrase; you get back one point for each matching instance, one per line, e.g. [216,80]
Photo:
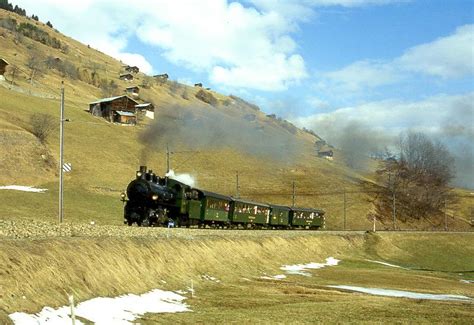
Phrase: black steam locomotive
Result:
[162,201]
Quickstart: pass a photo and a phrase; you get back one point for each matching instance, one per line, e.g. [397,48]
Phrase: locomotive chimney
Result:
[149,175]
[143,169]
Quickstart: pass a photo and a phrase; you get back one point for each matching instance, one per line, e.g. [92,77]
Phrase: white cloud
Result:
[363,74]
[432,115]
[446,57]
[237,46]
[449,57]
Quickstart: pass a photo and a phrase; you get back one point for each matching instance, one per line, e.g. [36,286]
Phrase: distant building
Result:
[125,117]
[133,90]
[126,77]
[132,69]
[120,109]
[328,154]
[161,77]
[147,109]
[3,66]
[145,106]
[198,85]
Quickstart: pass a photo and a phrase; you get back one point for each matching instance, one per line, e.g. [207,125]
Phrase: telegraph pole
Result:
[61,153]
[167,159]
[445,217]
[237,186]
[294,194]
[344,209]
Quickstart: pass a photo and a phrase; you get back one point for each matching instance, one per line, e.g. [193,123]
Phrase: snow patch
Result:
[467,281]
[300,269]
[119,310]
[402,294]
[23,188]
[210,278]
[388,264]
[275,277]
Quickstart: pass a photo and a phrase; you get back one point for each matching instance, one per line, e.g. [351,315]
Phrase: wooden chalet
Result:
[3,66]
[132,69]
[108,108]
[328,154]
[146,109]
[134,90]
[126,77]
[161,77]
[125,117]
[145,106]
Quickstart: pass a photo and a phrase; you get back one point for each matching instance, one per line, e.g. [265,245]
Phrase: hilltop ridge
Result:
[211,137]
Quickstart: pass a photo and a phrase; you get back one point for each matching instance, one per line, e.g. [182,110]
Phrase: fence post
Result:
[73,315]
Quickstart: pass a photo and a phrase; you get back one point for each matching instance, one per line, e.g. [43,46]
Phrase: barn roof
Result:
[122,113]
[110,99]
[144,105]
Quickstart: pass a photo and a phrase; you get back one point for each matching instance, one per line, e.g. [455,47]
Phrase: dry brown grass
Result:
[44,271]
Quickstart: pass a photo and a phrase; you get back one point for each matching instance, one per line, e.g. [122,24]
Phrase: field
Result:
[42,271]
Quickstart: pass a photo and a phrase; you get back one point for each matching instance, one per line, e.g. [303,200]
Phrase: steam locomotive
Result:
[162,201]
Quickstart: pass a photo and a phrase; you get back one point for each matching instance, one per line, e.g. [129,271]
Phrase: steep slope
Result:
[211,137]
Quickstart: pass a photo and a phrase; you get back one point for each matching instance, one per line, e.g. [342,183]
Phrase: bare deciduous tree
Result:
[416,183]
[42,125]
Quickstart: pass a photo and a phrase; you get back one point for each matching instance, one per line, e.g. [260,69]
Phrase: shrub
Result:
[42,125]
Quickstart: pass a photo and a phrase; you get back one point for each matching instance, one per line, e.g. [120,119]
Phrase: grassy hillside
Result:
[43,272]
[268,153]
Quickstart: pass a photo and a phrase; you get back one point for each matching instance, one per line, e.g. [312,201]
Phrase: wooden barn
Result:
[108,108]
[161,77]
[3,66]
[146,109]
[145,106]
[126,77]
[133,90]
[132,69]
[125,117]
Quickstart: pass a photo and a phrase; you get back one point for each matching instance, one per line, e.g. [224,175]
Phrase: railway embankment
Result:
[41,263]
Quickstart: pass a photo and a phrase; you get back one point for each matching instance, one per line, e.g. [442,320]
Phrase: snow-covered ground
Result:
[300,269]
[402,294]
[274,277]
[388,264]
[23,188]
[104,311]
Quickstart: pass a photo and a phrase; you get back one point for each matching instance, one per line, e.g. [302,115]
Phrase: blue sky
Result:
[319,63]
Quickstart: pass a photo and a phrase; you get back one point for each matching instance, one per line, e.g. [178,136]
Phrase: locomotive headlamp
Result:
[122,195]
[155,197]
[139,174]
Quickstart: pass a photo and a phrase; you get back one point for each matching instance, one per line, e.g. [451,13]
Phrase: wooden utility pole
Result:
[344,226]
[294,194]
[237,186]
[61,153]
[167,159]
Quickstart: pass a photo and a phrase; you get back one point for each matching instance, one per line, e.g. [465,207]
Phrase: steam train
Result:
[162,201]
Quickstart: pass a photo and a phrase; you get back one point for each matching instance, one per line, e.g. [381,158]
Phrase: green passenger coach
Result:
[279,216]
[214,208]
[307,218]
[249,213]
